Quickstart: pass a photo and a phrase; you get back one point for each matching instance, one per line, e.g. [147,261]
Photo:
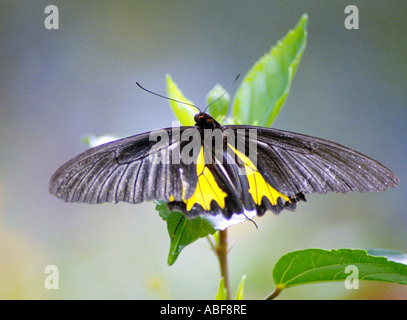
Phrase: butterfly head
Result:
[204,120]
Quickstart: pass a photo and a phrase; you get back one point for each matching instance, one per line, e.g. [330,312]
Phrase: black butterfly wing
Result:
[133,169]
[289,165]
[297,164]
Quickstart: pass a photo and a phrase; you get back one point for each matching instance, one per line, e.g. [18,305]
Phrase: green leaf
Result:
[222,291]
[318,265]
[265,87]
[184,113]
[218,109]
[239,294]
[181,230]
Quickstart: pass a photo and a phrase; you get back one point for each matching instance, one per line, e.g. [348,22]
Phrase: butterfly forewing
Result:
[124,170]
[300,163]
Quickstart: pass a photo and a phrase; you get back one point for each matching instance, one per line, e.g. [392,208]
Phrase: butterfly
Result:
[241,168]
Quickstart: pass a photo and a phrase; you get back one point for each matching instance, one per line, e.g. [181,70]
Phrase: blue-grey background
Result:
[57,85]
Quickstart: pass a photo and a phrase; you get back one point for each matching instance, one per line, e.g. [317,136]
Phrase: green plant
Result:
[258,101]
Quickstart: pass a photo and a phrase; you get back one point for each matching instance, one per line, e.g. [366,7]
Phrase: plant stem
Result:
[275,293]
[221,252]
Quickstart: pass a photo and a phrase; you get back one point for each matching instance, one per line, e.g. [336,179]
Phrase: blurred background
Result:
[58,85]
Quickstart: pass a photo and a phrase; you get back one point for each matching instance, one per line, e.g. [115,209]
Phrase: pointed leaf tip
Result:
[183,112]
[265,87]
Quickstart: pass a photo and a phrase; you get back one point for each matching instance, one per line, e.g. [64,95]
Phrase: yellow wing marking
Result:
[258,187]
[207,189]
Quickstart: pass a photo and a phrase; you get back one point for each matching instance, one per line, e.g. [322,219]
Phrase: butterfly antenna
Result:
[251,220]
[234,81]
[161,96]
